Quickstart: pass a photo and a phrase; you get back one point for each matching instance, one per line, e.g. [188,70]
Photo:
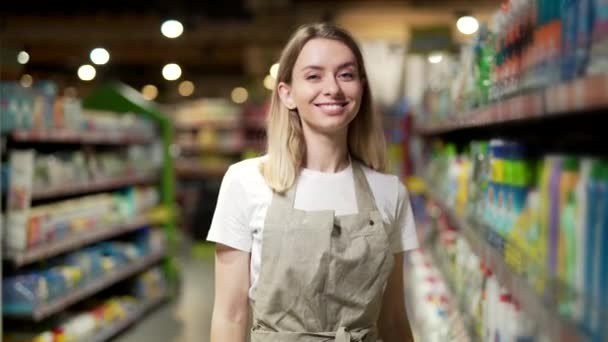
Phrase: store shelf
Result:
[193,148]
[95,286]
[197,170]
[484,244]
[208,124]
[95,186]
[72,137]
[572,98]
[458,303]
[72,242]
[130,319]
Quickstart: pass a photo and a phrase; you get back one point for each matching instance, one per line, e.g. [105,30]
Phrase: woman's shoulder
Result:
[247,173]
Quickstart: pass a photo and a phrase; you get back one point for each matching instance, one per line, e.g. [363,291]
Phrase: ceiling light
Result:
[274,70]
[172,29]
[435,58]
[26,80]
[172,71]
[86,72]
[269,82]
[149,92]
[467,24]
[239,95]
[23,57]
[100,56]
[186,88]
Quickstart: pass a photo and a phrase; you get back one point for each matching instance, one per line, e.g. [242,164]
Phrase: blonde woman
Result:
[312,234]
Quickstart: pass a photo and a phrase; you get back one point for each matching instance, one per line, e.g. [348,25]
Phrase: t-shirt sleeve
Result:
[404,236]
[230,223]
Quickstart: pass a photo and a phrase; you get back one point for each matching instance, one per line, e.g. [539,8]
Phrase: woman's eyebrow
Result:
[341,66]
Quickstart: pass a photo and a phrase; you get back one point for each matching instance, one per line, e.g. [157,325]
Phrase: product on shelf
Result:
[39,108]
[546,213]
[490,310]
[30,288]
[58,220]
[97,319]
[528,46]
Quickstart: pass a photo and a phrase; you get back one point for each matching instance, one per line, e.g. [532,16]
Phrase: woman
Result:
[313,234]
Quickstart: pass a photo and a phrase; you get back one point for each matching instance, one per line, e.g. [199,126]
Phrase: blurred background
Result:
[119,119]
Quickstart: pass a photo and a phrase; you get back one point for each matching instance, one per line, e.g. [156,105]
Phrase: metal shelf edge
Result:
[26,257]
[93,287]
[92,187]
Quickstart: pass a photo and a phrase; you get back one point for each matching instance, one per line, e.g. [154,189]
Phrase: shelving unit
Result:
[132,317]
[147,213]
[73,242]
[46,310]
[92,187]
[71,137]
[485,244]
[573,98]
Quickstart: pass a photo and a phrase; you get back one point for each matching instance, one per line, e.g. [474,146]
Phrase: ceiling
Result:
[224,43]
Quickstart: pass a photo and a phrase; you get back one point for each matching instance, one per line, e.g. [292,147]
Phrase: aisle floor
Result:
[188,317]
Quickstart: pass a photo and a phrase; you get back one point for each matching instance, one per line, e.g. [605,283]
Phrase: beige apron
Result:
[322,277]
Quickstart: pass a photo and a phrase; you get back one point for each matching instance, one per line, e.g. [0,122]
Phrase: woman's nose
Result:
[331,86]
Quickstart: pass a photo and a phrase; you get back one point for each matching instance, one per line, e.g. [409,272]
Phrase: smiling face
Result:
[326,88]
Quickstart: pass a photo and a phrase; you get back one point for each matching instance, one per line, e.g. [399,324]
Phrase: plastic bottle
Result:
[570,17]
[581,236]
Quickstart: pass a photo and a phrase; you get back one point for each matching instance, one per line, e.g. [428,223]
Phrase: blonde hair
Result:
[286,148]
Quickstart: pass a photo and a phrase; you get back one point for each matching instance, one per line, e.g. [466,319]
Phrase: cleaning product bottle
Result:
[598,61]
[603,251]
[581,237]
[567,237]
[554,209]
[570,17]
[592,255]
[585,23]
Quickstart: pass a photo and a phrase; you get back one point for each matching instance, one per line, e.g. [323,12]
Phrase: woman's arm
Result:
[230,320]
[393,324]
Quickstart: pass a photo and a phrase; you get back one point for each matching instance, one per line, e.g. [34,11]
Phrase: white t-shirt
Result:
[244,199]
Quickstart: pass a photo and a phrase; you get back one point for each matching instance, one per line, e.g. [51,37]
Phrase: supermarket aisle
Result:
[188,318]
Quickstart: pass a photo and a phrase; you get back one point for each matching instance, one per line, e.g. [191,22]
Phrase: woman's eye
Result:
[312,77]
[347,76]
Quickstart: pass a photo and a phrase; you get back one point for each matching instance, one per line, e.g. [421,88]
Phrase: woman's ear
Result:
[285,94]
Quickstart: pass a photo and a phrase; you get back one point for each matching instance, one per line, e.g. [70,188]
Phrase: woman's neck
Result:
[326,153]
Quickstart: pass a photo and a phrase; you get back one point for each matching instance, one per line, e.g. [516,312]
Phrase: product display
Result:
[529,46]
[81,197]
[491,312]
[99,319]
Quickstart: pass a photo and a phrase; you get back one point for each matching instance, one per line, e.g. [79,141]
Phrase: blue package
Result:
[584,36]
[21,294]
[569,34]
[56,284]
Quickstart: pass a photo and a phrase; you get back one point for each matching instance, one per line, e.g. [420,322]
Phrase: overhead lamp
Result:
[86,72]
[172,72]
[23,57]
[274,70]
[172,29]
[269,82]
[149,92]
[99,56]
[467,24]
[239,95]
[435,58]
[186,88]
[26,80]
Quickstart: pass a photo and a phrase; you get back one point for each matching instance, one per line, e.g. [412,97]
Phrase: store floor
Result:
[188,317]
